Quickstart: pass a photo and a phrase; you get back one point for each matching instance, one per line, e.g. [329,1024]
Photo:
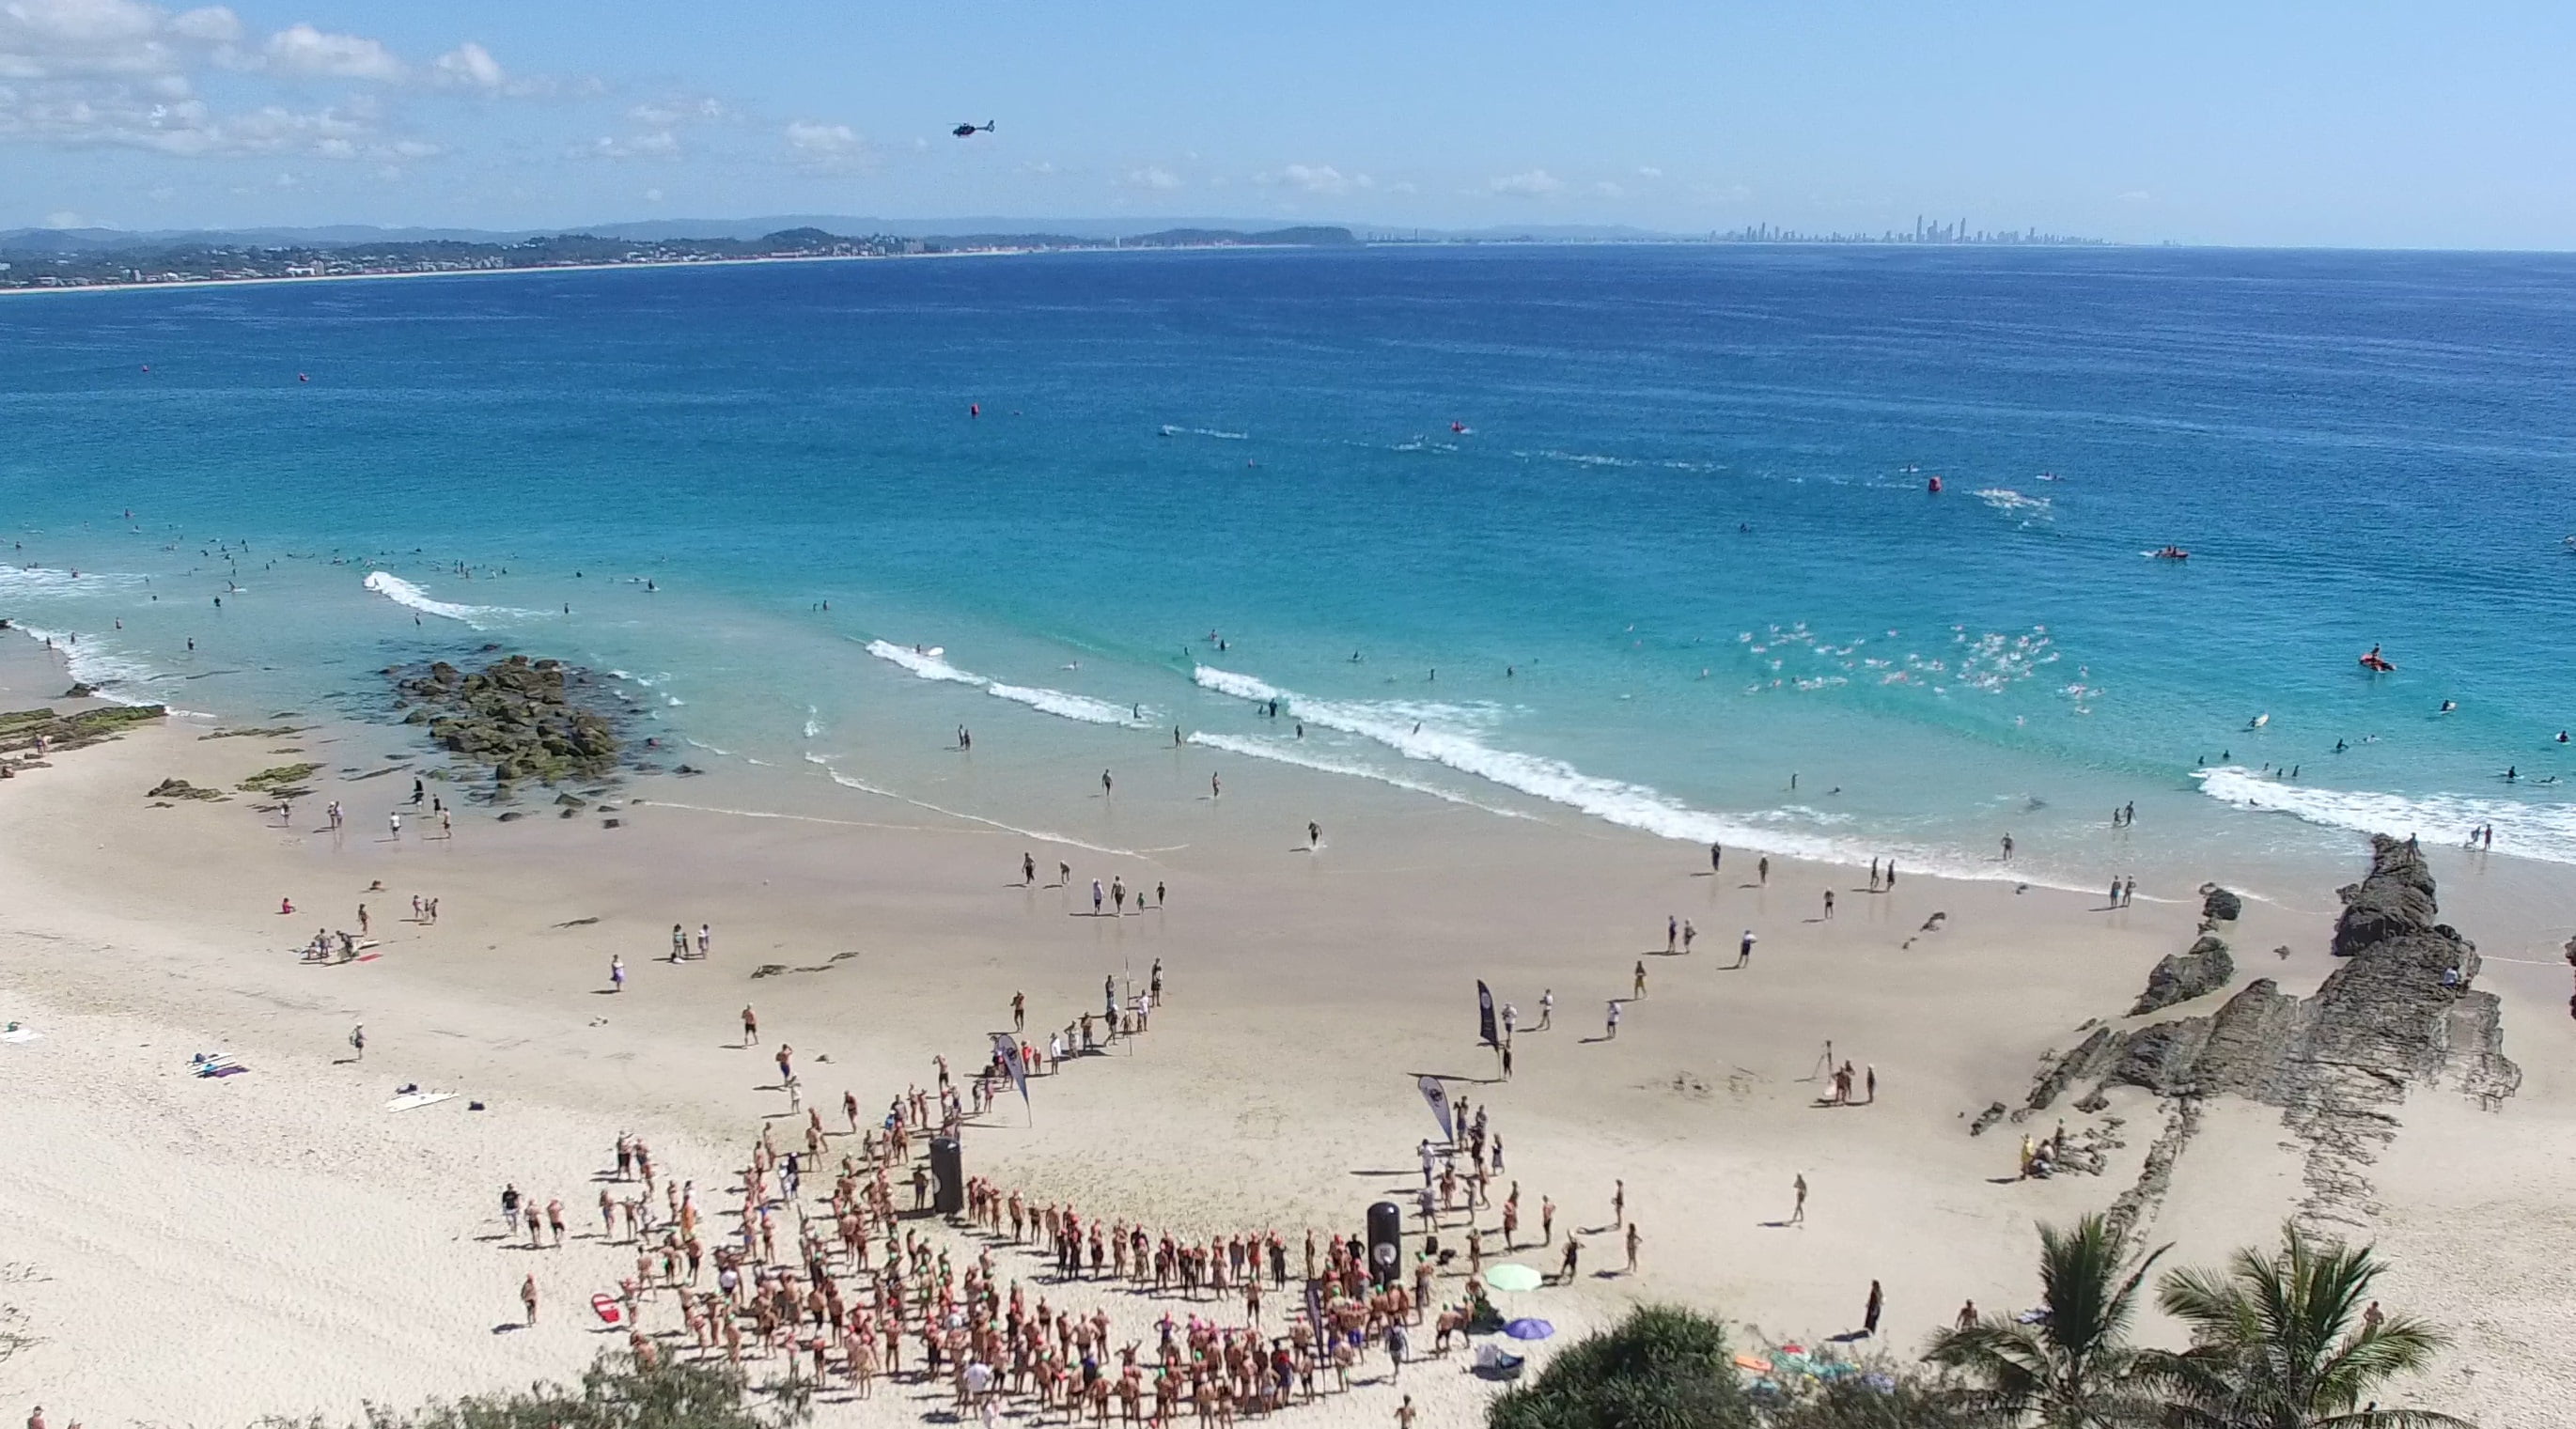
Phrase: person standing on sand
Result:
[2008,848]
[1612,1032]
[750,1026]
[616,973]
[1637,979]
[528,1297]
[1829,905]
[1028,870]
[679,942]
[1216,787]
[1762,870]
[393,821]
[1869,1313]
[1403,1414]
[1715,855]
[1572,1261]
[358,1043]
[1546,1220]
[1105,784]
[1314,835]
[1546,1008]
[1689,934]
[1118,893]
[1019,1012]
[706,939]
[1744,950]
[786,1065]
[1095,898]
[1872,1099]
[1618,1203]
[1634,1240]
[1798,1212]
[1672,935]
[362,920]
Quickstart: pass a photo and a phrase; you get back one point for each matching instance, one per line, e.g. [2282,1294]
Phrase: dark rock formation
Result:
[2399,1011]
[2184,976]
[181,789]
[520,718]
[2218,905]
[20,729]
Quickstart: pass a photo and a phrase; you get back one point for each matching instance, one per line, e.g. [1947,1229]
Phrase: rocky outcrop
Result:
[22,729]
[181,789]
[2399,1011]
[518,717]
[2217,905]
[2206,968]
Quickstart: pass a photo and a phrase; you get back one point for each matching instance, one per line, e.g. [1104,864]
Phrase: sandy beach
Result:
[279,1242]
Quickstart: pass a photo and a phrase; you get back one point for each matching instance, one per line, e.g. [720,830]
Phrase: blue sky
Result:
[2266,123]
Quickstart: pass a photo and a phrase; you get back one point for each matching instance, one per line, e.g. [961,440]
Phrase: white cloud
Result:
[1319,178]
[652,195]
[1649,171]
[300,49]
[671,113]
[815,145]
[470,66]
[660,144]
[1041,168]
[2135,196]
[1153,176]
[65,218]
[1607,189]
[1536,183]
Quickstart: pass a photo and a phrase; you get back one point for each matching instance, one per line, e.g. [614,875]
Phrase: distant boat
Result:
[2171,553]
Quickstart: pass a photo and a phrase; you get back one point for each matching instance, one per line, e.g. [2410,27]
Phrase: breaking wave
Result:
[932,664]
[403,593]
[2527,828]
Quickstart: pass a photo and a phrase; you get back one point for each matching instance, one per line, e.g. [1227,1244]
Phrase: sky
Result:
[2202,121]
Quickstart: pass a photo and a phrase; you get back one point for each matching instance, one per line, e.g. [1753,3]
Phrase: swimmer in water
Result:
[2449,705]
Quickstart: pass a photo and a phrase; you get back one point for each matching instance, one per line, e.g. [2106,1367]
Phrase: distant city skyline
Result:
[2408,125]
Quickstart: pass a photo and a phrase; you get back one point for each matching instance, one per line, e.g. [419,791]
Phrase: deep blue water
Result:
[1688,515]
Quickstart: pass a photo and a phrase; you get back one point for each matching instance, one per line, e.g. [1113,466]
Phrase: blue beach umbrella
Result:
[1529,1329]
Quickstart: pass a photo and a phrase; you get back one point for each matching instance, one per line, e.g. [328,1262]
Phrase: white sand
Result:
[282,1244]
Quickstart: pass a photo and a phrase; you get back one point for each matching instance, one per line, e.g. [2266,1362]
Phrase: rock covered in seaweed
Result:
[518,717]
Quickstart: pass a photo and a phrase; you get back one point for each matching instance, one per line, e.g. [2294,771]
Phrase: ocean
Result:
[1631,535]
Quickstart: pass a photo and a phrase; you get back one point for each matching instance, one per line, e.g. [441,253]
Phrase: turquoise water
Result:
[1624,534]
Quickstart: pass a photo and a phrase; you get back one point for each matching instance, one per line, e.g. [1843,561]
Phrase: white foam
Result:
[864,787]
[97,663]
[1634,806]
[1057,702]
[479,617]
[932,665]
[2528,828]
[1265,749]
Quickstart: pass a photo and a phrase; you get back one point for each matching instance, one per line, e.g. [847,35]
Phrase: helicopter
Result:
[969,131]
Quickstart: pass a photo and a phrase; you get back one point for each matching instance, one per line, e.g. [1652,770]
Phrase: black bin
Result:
[948,1176]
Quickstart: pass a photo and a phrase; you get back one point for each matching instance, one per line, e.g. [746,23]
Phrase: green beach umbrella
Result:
[1513,1277]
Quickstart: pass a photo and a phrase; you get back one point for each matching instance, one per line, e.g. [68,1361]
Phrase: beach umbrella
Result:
[1529,1329]
[1508,1276]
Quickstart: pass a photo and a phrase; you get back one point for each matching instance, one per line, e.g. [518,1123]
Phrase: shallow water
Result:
[1627,534]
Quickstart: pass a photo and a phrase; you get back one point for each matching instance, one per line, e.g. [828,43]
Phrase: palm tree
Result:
[2073,1367]
[2284,1341]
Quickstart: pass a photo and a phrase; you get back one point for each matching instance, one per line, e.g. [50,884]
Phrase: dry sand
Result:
[277,1242]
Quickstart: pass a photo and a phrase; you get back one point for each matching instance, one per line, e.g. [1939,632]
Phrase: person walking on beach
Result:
[393,821]
[1314,835]
[1798,1212]
[616,973]
[1762,870]
[1572,1260]
[358,1043]
[1634,1241]
[1216,787]
[1095,898]
[1618,1203]
[1028,870]
[1829,905]
[1869,1313]
[750,1026]
[1546,1008]
[679,942]
[1638,980]
[362,920]
[528,1297]
[1744,950]
[1612,1033]
[706,939]
[1672,935]
[1688,934]
[1715,856]
[1104,783]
